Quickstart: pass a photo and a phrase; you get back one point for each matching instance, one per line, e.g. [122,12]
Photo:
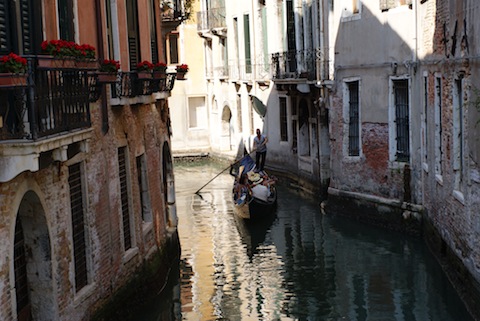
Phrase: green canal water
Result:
[299,265]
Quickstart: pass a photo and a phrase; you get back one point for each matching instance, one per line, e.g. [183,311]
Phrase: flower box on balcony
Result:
[144,75]
[159,75]
[106,77]
[50,62]
[9,80]
[86,64]
[181,75]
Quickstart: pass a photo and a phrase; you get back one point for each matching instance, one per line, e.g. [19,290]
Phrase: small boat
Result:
[255,200]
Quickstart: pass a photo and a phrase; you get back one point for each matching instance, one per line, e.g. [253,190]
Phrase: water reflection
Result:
[299,265]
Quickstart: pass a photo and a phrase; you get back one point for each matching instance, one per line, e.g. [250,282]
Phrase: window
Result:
[246,36]
[172,48]
[66,19]
[208,58]
[109,31]
[20,26]
[293,103]
[143,188]
[124,197]
[133,34]
[438,126]
[291,37]
[425,118]
[402,129]
[153,32]
[350,8]
[266,56]
[283,120]
[390,4]
[353,121]
[197,112]
[458,134]
[20,269]
[75,181]
[224,53]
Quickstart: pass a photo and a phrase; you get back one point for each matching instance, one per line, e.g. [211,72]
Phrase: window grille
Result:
[122,172]
[400,88]
[283,120]
[143,188]
[353,120]
[20,268]
[293,103]
[78,225]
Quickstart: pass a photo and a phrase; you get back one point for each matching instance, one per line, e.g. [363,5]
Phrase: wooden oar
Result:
[222,172]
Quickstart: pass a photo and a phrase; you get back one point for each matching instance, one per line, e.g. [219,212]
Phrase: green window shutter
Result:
[246,34]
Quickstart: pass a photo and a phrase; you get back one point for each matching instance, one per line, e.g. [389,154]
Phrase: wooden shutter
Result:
[5,36]
[153,32]
[65,20]
[133,36]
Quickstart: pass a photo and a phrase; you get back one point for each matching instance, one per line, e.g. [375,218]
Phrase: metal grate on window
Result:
[122,172]
[78,225]
[283,120]
[400,88]
[20,268]
[353,120]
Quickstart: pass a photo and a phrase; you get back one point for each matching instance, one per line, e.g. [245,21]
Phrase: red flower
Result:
[109,65]
[12,63]
[182,68]
[145,66]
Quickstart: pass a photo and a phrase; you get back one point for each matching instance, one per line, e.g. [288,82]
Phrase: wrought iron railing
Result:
[298,64]
[247,71]
[129,85]
[211,19]
[56,99]
[53,100]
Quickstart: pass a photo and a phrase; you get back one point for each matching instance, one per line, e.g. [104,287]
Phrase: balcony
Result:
[248,71]
[309,65]
[131,89]
[174,13]
[48,111]
[212,20]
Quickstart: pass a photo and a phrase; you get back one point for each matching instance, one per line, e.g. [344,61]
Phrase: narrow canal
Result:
[301,265]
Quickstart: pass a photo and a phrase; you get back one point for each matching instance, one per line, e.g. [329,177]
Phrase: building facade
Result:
[404,125]
[258,77]
[86,177]
[375,102]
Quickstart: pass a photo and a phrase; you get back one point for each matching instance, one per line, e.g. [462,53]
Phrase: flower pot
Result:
[86,64]
[181,75]
[106,77]
[50,62]
[8,80]
[159,75]
[144,75]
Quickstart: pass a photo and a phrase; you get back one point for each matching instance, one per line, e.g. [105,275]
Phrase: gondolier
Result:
[260,146]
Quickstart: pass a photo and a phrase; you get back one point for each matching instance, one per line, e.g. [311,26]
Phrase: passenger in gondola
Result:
[259,190]
[242,189]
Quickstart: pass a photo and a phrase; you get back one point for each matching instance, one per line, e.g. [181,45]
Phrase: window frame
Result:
[393,146]
[347,118]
